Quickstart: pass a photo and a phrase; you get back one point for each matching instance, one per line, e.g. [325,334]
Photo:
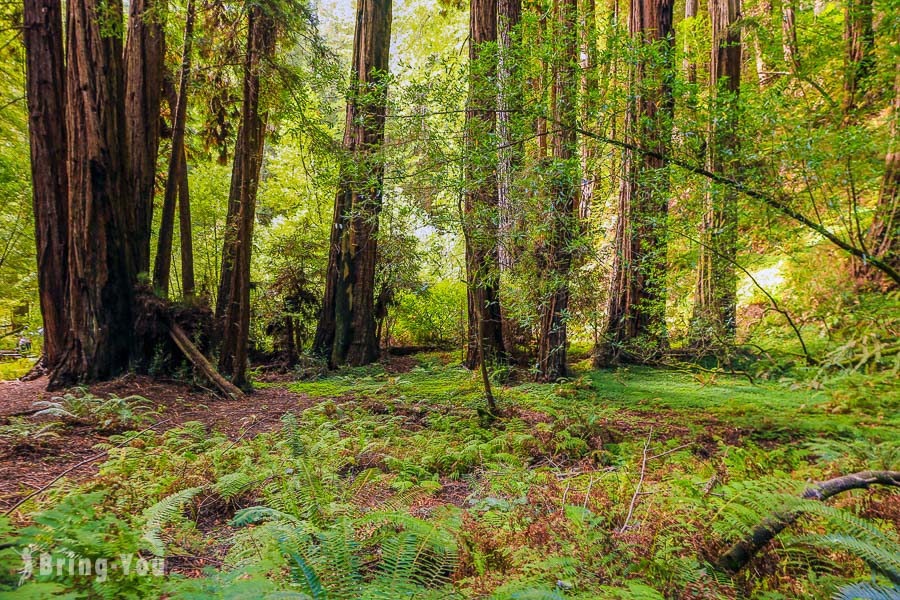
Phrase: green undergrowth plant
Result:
[620,484]
[83,406]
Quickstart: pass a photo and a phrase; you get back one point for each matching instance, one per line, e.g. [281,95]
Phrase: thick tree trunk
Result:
[636,328]
[235,302]
[564,195]
[346,329]
[715,314]
[481,200]
[884,232]
[101,272]
[46,88]
[177,169]
[859,36]
[144,58]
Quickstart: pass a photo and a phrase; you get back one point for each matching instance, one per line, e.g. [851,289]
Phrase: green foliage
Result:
[131,411]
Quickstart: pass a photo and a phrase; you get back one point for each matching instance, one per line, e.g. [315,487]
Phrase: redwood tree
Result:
[144,59]
[234,298]
[636,311]
[175,182]
[716,296]
[556,258]
[347,324]
[46,88]
[485,330]
[100,258]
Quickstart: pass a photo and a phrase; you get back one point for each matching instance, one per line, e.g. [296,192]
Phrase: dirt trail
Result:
[25,468]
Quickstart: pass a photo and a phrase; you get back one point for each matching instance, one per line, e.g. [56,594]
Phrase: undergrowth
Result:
[619,484]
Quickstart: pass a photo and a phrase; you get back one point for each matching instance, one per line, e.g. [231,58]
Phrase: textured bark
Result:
[177,170]
[715,314]
[235,302]
[789,35]
[481,200]
[188,285]
[742,552]
[101,272]
[635,327]
[46,87]
[884,232]
[859,60]
[144,59]
[346,329]
[563,200]
[509,158]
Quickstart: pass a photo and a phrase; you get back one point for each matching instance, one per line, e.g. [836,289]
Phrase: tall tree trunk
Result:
[481,200]
[509,102]
[763,69]
[177,168]
[188,285]
[690,67]
[564,194]
[144,59]
[589,100]
[46,88]
[235,302]
[859,37]
[636,328]
[789,35]
[101,272]
[884,232]
[714,321]
[346,329]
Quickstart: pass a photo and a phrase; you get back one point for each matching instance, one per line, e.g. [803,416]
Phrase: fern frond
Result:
[867,591]
[162,512]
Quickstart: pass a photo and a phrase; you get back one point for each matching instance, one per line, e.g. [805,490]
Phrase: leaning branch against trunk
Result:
[196,357]
[743,551]
[777,201]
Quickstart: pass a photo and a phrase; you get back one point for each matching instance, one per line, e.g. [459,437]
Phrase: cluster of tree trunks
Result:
[94,113]
[346,332]
[637,297]
[715,318]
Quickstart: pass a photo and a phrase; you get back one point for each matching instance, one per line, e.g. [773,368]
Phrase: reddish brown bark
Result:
[859,37]
[177,169]
[714,321]
[635,327]
[101,273]
[481,200]
[562,214]
[144,58]
[235,302]
[46,86]
[347,324]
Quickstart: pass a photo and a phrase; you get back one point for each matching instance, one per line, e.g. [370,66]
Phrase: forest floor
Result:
[617,481]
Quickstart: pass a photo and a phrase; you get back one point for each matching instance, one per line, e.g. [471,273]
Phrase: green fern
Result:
[867,591]
[161,513]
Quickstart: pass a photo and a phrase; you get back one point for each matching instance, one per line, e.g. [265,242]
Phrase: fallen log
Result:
[743,551]
[196,357]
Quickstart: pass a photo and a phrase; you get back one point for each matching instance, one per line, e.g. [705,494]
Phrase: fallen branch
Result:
[196,357]
[743,551]
[637,489]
